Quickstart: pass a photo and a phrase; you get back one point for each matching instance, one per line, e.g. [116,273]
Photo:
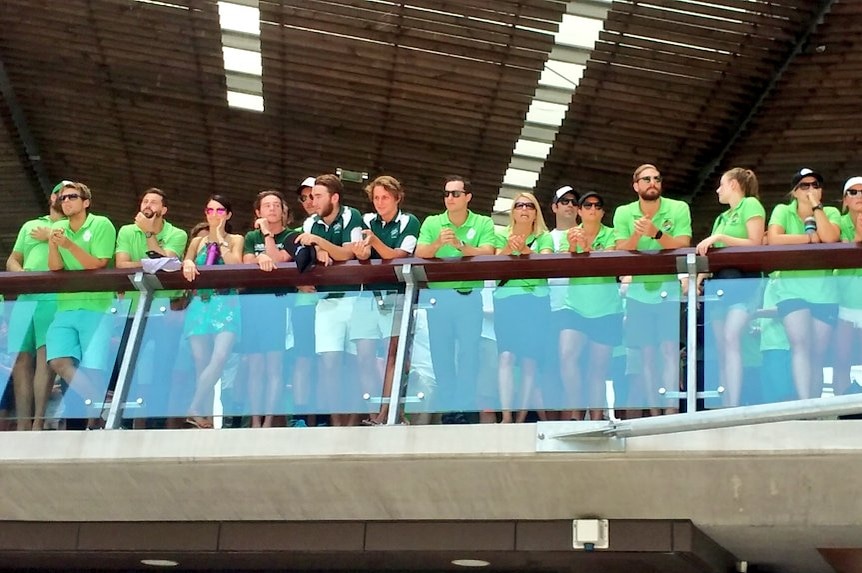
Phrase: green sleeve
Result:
[501,237]
[176,242]
[752,208]
[486,233]
[353,231]
[411,230]
[544,242]
[104,239]
[623,224]
[605,240]
[429,231]
[124,240]
[833,214]
[248,244]
[779,216]
[682,225]
[22,236]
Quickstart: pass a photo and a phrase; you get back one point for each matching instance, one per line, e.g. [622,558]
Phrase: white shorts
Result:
[372,320]
[851,315]
[332,325]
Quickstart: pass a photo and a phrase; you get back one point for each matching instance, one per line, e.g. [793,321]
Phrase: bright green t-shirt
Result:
[818,285]
[535,244]
[97,236]
[594,296]
[35,253]
[477,231]
[672,218]
[132,241]
[849,280]
[733,221]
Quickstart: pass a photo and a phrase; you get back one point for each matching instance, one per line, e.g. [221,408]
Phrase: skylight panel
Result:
[245,101]
[239,18]
[561,74]
[579,31]
[546,113]
[520,178]
[536,149]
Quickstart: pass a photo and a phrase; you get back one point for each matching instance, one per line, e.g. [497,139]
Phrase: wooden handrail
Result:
[352,273]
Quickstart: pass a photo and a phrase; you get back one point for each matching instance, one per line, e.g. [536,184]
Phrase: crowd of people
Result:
[310,351]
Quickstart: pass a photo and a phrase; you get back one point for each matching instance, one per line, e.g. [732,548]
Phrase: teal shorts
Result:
[83,335]
[29,321]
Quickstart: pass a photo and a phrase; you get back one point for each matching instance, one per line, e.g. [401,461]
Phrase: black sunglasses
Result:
[567,202]
[69,197]
[592,206]
[455,194]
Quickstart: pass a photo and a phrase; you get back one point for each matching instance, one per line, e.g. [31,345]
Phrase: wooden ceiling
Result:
[124,95]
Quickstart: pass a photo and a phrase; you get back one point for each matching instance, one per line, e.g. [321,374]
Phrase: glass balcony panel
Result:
[790,336]
[224,358]
[534,350]
[82,334]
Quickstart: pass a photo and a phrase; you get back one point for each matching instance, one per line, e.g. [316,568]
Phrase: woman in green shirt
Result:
[521,306]
[741,225]
[807,300]
[849,330]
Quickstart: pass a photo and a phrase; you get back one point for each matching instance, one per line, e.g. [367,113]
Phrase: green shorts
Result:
[29,321]
[83,335]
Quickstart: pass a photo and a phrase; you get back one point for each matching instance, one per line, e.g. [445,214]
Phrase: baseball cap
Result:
[565,190]
[803,173]
[62,185]
[851,182]
[307,182]
[589,194]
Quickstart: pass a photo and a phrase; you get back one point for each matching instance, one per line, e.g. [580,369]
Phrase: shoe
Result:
[199,423]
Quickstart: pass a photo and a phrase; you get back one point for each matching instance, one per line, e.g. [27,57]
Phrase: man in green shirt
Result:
[331,230]
[455,308]
[151,236]
[30,318]
[78,340]
[651,223]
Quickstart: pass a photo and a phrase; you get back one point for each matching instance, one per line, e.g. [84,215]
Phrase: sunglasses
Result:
[216,210]
[806,186]
[649,179]
[592,206]
[522,205]
[455,194]
[567,202]
[852,192]
[69,197]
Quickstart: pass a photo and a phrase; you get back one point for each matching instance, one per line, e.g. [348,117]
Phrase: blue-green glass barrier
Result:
[58,359]
[546,351]
[226,357]
[784,337]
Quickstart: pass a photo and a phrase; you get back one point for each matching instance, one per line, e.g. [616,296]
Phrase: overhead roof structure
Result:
[129,94]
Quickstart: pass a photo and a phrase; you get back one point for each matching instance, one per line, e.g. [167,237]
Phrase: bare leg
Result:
[650,378]
[23,377]
[209,364]
[528,382]
[43,383]
[506,381]
[274,366]
[369,369]
[822,338]
[670,372]
[597,373]
[734,326]
[845,338]
[330,375]
[571,346]
[254,381]
[797,324]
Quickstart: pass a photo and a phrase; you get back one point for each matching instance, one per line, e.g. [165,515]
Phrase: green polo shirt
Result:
[535,244]
[34,253]
[477,231]
[132,241]
[97,236]
[345,229]
[849,280]
[817,286]
[255,244]
[399,233]
[594,296]
[672,218]
[733,221]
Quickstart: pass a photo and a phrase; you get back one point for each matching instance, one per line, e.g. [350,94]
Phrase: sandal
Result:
[199,423]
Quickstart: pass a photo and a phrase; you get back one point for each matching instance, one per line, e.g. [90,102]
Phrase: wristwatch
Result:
[461,244]
[658,235]
[818,206]
[265,235]
[149,234]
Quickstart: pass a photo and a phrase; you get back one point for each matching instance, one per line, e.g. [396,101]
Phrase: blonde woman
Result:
[741,225]
[521,306]
[848,334]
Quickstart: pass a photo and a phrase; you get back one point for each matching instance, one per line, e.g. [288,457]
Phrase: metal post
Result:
[405,343]
[146,284]
[691,336]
